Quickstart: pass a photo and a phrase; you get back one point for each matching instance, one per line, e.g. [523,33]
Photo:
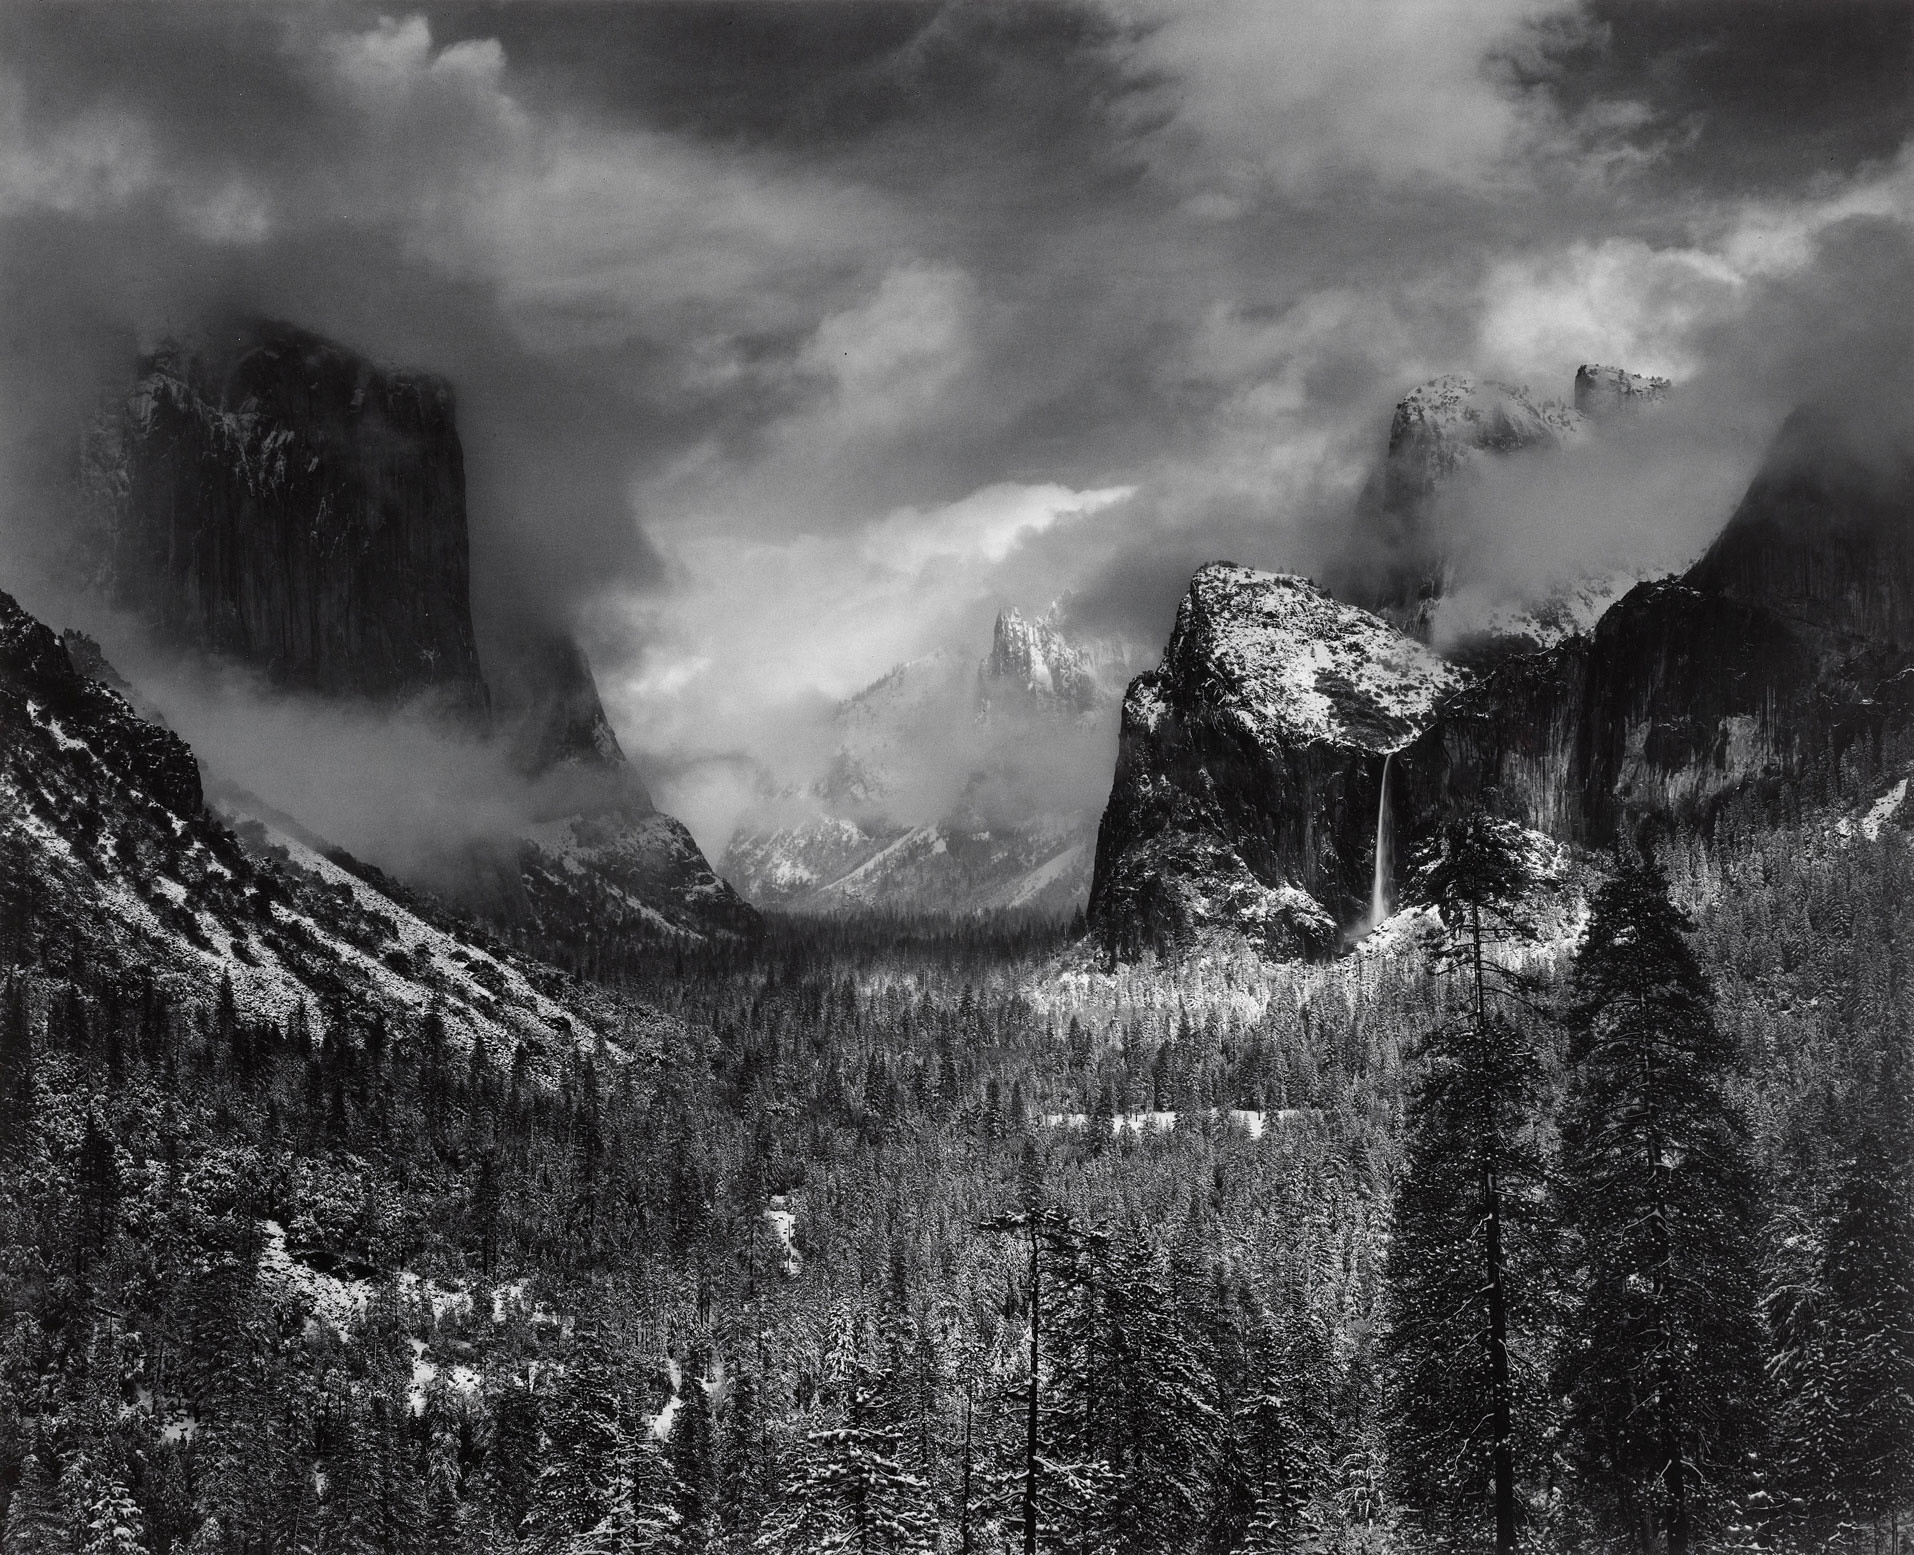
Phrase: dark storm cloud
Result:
[1746,94]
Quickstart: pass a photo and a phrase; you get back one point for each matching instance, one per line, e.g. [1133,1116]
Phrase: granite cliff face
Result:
[1824,538]
[1399,564]
[1778,671]
[273,498]
[545,702]
[1782,657]
[1250,768]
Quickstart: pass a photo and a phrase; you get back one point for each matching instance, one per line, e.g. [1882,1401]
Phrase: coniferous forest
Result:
[1580,1220]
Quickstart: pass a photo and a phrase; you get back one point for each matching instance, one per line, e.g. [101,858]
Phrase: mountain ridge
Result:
[1779,670]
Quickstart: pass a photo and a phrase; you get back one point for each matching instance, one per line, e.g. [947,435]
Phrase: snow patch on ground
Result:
[1883,810]
[1251,1122]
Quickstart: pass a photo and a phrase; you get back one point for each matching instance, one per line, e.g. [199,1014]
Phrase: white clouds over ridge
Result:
[814,365]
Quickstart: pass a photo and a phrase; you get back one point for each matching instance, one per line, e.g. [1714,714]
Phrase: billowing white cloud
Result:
[758,636]
[774,391]
[985,526]
[1654,307]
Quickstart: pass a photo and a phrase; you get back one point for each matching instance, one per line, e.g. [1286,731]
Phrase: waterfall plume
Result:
[1385,846]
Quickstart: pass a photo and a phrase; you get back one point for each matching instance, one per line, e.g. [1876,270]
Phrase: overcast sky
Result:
[796,339]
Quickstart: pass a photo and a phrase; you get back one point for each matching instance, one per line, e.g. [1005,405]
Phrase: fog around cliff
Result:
[794,342]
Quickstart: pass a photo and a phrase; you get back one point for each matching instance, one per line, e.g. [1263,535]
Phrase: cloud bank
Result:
[792,342]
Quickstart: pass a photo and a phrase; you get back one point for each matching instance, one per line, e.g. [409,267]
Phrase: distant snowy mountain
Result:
[1031,665]
[943,791]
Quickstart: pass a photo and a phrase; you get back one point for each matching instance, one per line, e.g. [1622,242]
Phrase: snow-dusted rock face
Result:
[49,707]
[1401,559]
[1604,392]
[1249,767]
[1032,663]
[622,870]
[272,497]
[1397,561]
[1778,672]
[108,854]
[1442,425]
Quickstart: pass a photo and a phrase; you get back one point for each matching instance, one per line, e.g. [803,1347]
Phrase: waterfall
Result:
[1385,846]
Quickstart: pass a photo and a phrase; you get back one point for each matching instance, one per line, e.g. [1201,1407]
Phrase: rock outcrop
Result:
[545,702]
[1778,671]
[1824,538]
[1398,561]
[271,497]
[1250,768]
[1602,393]
[1033,666]
[1408,558]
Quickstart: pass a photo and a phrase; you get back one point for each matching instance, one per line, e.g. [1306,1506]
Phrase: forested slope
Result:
[386,1292]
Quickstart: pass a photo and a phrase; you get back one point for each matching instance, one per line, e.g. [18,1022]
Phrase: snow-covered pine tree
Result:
[581,1500]
[101,1515]
[1661,1357]
[1869,1316]
[1166,1430]
[1842,1310]
[36,1521]
[16,1067]
[1275,1451]
[851,1488]
[692,1451]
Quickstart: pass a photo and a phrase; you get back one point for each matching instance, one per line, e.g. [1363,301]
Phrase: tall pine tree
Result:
[1465,1348]
[1661,1360]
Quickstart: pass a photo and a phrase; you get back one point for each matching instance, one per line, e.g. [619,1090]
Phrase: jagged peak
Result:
[1602,391]
[1467,412]
[1033,660]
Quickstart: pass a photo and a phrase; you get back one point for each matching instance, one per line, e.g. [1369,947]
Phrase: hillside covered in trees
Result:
[935,1238]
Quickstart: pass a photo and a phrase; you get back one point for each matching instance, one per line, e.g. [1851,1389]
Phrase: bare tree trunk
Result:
[1030,1423]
